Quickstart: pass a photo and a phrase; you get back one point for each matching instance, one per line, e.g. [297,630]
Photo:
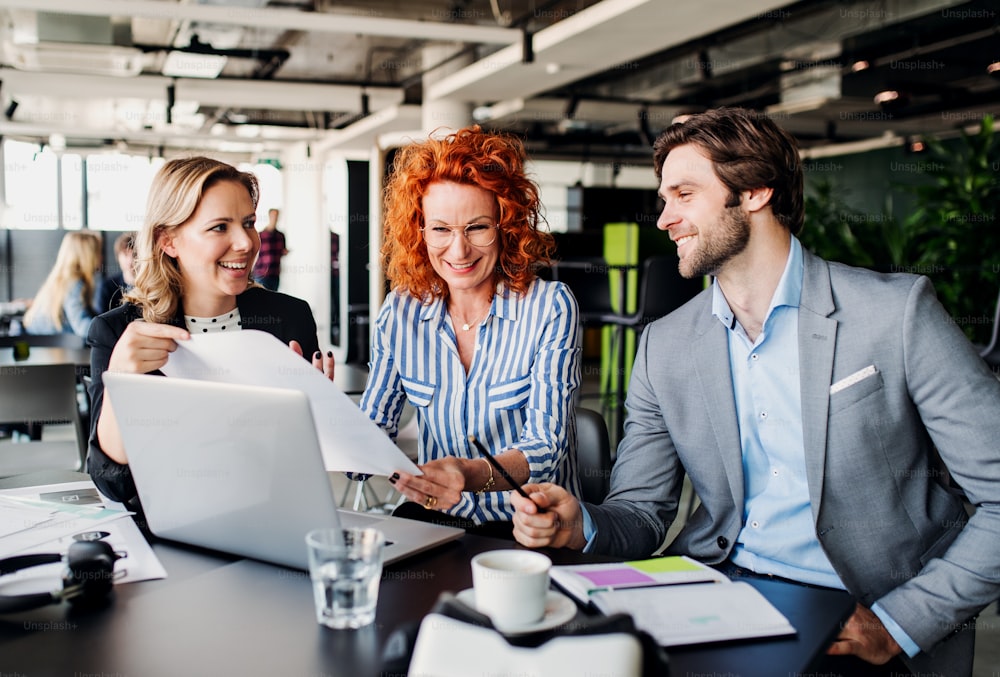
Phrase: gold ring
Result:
[430,502]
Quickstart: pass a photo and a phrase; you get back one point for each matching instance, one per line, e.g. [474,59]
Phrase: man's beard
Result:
[728,240]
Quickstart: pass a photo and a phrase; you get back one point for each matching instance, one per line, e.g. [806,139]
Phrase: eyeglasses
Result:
[478,234]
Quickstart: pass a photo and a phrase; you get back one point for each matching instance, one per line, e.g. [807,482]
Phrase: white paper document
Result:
[79,512]
[252,357]
[676,615]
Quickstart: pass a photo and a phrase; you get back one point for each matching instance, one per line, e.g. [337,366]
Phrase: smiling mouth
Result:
[232,265]
[463,266]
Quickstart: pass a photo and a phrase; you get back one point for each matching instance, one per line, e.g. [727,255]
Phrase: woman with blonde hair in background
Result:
[65,301]
[193,256]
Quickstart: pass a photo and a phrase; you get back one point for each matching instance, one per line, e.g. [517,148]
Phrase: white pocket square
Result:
[848,381]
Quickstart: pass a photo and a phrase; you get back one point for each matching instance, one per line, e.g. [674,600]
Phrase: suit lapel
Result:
[817,344]
[711,362]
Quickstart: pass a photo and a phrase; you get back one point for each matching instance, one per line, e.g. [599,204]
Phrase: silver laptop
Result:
[239,469]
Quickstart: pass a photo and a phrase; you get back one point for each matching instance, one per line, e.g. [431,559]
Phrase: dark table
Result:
[49,355]
[216,615]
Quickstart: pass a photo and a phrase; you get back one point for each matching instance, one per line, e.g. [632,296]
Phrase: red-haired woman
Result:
[469,335]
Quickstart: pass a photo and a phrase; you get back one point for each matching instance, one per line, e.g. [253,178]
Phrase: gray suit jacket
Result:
[890,528]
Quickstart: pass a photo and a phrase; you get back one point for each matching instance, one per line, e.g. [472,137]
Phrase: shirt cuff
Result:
[589,530]
[908,646]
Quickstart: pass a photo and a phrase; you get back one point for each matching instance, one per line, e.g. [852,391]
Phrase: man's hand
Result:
[559,526]
[864,636]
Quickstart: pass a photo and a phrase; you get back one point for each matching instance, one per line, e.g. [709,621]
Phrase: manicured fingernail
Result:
[329,353]
[392,480]
[317,355]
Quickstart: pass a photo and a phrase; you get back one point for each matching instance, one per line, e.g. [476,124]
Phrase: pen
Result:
[500,469]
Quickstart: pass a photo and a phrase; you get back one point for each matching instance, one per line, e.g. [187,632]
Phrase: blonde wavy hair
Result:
[174,196]
[78,259]
[470,156]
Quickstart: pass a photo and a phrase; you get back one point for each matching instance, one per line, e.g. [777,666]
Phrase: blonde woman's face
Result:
[215,249]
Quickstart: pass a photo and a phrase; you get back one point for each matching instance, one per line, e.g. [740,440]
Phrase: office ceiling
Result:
[578,78]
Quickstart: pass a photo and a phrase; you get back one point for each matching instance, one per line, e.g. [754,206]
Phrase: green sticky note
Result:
[664,565]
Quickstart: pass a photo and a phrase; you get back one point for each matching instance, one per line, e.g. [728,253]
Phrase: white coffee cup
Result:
[510,586]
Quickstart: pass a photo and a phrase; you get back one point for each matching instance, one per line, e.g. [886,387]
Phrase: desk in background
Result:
[216,615]
[80,357]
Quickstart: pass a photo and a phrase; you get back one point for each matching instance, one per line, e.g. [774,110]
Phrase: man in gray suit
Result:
[807,401]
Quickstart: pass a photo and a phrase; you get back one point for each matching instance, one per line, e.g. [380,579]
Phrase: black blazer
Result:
[280,315]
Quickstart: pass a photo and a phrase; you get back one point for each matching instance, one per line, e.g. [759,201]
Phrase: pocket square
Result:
[848,381]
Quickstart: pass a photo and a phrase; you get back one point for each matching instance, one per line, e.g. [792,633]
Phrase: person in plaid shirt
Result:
[272,247]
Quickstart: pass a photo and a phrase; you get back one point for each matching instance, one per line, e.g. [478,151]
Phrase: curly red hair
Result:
[494,162]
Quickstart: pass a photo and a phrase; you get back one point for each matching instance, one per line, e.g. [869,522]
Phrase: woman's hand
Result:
[145,346]
[439,488]
[324,363]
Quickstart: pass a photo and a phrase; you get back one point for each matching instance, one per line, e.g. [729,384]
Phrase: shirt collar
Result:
[787,293]
[502,306]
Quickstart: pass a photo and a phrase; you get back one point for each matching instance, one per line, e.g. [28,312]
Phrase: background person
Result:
[267,270]
[469,335]
[193,260]
[805,400]
[109,295]
[64,303]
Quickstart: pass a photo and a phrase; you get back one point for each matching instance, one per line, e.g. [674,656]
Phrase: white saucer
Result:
[559,609]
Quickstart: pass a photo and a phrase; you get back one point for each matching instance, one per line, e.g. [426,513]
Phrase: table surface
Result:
[48,355]
[219,615]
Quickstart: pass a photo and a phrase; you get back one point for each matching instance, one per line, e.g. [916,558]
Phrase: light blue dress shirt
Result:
[518,393]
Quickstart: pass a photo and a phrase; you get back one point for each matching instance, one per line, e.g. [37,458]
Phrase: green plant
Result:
[951,235]
[838,232]
[954,229]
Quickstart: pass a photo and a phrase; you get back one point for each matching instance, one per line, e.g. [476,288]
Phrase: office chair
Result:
[41,393]
[593,455]
[991,351]
[590,283]
[661,291]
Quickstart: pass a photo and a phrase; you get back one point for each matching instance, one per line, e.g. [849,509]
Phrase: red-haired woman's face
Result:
[462,265]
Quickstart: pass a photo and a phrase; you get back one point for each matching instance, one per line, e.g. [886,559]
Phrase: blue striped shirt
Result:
[518,393]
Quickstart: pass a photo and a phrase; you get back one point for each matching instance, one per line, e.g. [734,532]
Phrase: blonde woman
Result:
[193,259]
[64,303]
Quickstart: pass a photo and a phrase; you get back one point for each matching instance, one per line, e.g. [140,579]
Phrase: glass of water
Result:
[345,566]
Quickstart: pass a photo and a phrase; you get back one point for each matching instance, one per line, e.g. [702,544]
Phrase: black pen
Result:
[500,469]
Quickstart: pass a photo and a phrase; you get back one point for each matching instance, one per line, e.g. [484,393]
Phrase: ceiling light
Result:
[859,66]
[111,60]
[886,96]
[188,65]
[552,68]
[57,142]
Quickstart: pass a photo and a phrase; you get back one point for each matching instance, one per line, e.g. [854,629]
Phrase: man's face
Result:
[708,234]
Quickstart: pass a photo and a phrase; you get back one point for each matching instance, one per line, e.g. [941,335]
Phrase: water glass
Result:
[345,566]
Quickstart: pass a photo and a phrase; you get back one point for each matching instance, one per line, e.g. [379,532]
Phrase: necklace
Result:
[466,326]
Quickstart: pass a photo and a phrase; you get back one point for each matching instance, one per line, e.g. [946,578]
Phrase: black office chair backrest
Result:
[991,351]
[593,455]
[589,280]
[662,289]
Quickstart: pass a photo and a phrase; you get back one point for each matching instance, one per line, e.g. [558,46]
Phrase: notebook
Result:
[238,468]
